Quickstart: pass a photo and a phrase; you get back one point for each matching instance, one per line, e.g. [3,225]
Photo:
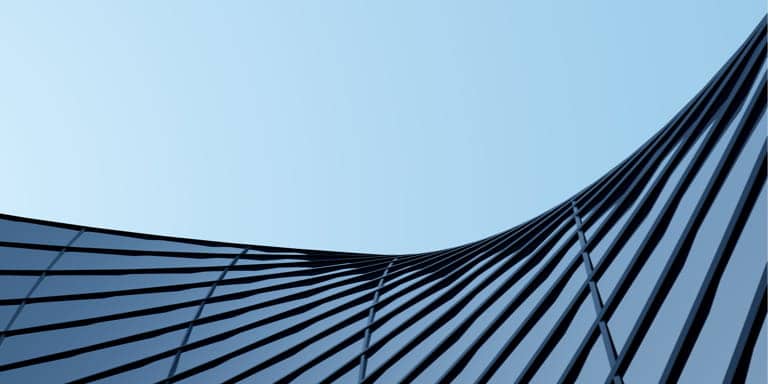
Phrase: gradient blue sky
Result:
[393,126]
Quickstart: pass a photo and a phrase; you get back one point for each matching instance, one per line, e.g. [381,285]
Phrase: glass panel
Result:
[628,310]
[44,313]
[26,346]
[596,367]
[64,285]
[82,365]
[105,240]
[598,251]
[406,364]
[498,338]
[24,232]
[238,364]
[558,360]
[648,364]
[757,373]
[519,358]
[20,258]
[732,300]
[613,273]
[83,260]
[255,356]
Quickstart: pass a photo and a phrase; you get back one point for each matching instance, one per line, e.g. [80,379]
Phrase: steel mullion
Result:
[533,284]
[703,303]
[309,268]
[610,347]
[565,319]
[542,306]
[26,299]
[446,263]
[675,262]
[750,332]
[528,265]
[371,316]
[546,302]
[184,286]
[170,328]
[313,254]
[199,312]
[231,296]
[703,107]
[574,366]
[500,253]
[170,307]
[530,321]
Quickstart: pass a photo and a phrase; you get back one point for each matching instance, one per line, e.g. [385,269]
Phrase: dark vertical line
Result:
[188,333]
[371,316]
[738,72]
[610,347]
[456,305]
[739,366]
[37,284]
[703,303]
[501,249]
[680,252]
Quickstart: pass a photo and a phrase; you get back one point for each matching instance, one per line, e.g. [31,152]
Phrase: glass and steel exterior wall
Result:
[654,273]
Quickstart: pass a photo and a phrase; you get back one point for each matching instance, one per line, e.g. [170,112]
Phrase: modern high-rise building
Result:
[656,272]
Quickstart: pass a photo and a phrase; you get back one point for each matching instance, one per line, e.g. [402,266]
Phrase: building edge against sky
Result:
[656,272]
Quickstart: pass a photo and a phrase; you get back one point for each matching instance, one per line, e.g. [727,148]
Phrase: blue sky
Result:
[394,126]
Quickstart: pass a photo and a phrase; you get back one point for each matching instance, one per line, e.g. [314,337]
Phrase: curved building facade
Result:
[654,273]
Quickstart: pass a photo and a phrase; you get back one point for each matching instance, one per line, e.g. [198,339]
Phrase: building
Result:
[654,273]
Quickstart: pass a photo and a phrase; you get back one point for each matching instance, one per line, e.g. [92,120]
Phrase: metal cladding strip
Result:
[565,319]
[170,307]
[750,332]
[551,294]
[22,302]
[703,304]
[641,211]
[448,313]
[514,303]
[321,265]
[610,348]
[500,253]
[680,253]
[531,319]
[199,312]
[531,261]
[177,270]
[577,360]
[371,316]
[701,111]
[524,292]
[271,251]
[317,268]
[330,257]
[228,314]
[543,305]
[240,329]
[631,163]
[370,268]
[704,106]
[438,278]
[549,297]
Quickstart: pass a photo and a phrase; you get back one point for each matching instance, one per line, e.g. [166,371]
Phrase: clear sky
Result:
[392,126]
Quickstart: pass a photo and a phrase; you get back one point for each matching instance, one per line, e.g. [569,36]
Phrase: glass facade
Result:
[654,273]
